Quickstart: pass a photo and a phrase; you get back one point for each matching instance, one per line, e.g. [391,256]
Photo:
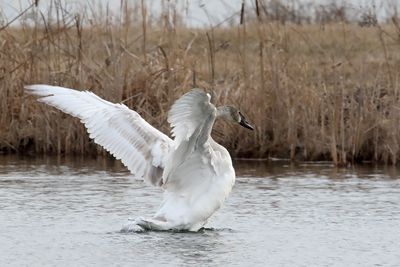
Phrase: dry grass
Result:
[313,92]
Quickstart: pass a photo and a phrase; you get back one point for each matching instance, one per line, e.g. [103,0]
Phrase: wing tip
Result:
[38,89]
[35,86]
[30,87]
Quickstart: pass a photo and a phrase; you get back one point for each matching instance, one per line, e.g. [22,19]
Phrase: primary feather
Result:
[121,131]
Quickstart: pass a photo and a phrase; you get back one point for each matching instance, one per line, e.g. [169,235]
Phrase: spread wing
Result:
[121,131]
[191,117]
[189,113]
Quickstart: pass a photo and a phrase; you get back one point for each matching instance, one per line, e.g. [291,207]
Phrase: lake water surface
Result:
[58,212]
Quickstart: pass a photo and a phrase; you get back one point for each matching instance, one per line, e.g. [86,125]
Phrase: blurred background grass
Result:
[317,82]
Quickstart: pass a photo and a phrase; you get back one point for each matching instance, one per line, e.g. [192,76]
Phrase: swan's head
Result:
[232,114]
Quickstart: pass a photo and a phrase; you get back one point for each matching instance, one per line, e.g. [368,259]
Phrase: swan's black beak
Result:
[245,123]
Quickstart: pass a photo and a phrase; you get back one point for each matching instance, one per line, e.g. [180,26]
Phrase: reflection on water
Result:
[68,212]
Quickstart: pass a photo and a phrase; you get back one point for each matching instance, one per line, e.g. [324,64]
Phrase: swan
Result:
[195,172]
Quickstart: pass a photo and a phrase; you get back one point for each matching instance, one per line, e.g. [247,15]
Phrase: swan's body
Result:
[195,172]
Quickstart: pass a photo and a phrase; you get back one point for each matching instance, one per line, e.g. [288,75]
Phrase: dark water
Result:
[69,213]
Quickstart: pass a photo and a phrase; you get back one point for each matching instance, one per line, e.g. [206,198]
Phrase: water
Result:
[69,213]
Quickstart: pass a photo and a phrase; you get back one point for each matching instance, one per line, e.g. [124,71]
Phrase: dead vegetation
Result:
[317,91]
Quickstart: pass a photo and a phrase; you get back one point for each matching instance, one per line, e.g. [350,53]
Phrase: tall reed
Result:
[314,91]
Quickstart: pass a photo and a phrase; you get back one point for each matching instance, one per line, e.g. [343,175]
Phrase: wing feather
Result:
[121,131]
[191,117]
[188,113]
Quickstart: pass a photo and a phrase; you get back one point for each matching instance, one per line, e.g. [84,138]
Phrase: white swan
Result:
[195,172]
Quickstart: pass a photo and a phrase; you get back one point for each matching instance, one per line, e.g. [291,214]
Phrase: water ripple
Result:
[61,213]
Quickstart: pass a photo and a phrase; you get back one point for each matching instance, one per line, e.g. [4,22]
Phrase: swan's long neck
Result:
[205,129]
[224,112]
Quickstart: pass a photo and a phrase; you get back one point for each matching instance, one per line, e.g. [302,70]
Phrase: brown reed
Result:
[314,92]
